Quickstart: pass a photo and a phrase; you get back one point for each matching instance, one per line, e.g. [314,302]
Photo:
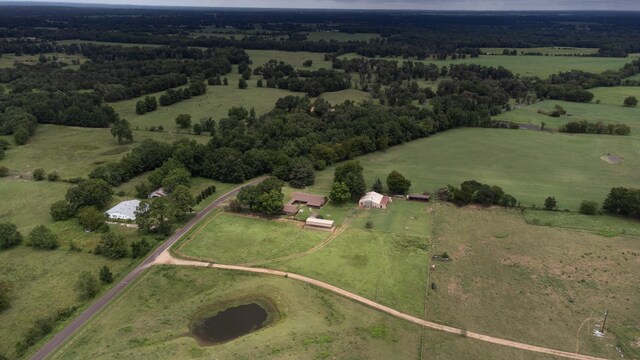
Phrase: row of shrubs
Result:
[205,194]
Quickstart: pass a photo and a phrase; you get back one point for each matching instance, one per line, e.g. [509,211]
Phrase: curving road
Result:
[166,258]
[66,333]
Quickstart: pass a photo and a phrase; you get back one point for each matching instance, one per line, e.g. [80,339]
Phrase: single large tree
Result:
[339,192]
[550,203]
[91,219]
[87,286]
[122,130]
[9,235]
[182,199]
[397,183]
[156,215]
[301,173]
[183,121]
[631,101]
[350,173]
[91,192]
[270,203]
[106,277]
[42,238]
[112,246]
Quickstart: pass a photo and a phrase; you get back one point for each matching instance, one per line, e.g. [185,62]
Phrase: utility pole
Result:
[606,313]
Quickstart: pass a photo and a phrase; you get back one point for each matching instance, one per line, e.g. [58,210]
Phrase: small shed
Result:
[126,210]
[418,197]
[374,200]
[158,193]
[320,223]
[290,209]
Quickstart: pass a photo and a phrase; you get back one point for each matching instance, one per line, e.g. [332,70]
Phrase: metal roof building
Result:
[126,210]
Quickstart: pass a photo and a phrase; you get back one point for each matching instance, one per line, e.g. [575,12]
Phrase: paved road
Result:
[66,333]
[166,258]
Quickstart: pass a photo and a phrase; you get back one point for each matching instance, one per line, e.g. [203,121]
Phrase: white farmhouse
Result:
[126,210]
[374,200]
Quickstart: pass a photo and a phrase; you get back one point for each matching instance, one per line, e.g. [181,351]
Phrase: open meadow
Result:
[9,60]
[545,285]
[541,66]
[530,165]
[551,50]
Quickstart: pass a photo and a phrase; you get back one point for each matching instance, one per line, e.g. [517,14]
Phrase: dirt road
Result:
[166,258]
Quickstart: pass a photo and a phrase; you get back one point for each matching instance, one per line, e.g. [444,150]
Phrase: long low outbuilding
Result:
[321,223]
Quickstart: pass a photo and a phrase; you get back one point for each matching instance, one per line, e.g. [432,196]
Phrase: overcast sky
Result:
[389,4]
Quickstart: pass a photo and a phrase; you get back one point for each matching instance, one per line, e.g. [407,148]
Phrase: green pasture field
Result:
[530,165]
[233,239]
[542,285]
[8,60]
[604,225]
[340,36]
[550,50]
[75,151]
[78,41]
[609,111]
[338,97]
[215,103]
[293,58]
[387,263]
[541,66]
[151,321]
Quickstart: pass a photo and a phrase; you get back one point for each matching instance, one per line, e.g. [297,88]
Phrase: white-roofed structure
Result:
[374,200]
[126,210]
[320,223]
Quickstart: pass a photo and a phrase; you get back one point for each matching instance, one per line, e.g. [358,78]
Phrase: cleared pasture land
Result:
[530,165]
[233,239]
[9,60]
[551,50]
[75,151]
[340,36]
[535,283]
[151,321]
[541,66]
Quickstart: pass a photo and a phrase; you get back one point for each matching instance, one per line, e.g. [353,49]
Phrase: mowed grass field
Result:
[387,263]
[551,50]
[541,66]
[543,285]
[75,151]
[151,322]
[340,36]
[233,239]
[530,165]
[591,112]
[9,60]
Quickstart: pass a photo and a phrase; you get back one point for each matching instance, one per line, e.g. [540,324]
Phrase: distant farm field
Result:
[541,66]
[551,50]
[9,60]
[294,58]
[530,165]
[340,36]
[544,285]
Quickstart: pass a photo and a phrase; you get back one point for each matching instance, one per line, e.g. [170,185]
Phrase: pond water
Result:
[230,324]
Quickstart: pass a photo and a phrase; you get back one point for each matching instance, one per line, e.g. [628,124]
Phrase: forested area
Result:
[404,34]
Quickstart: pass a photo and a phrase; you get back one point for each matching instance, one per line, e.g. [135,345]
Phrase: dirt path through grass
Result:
[167,259]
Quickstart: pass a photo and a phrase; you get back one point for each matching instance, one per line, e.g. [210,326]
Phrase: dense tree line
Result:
[623,201]
[473,192]
[586,127]
[283,76]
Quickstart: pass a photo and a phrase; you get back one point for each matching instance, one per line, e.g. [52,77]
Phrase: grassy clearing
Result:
[387,264]
[541,66]
[75,151]
[9,60]
[232,239]
[607,108]
[534,283]
[604,225]
[339,36]
[215,103]
[294,58]
[338,97]
[550,50]
[151,320]
[530,165]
